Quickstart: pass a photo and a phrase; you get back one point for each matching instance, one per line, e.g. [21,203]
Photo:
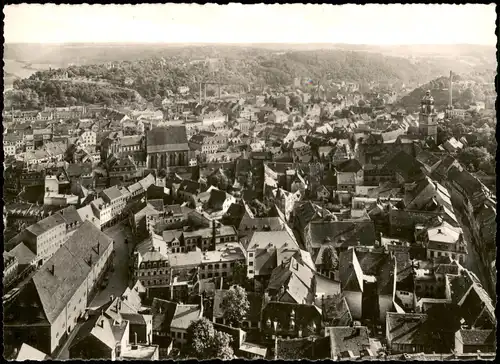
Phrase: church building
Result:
[167,147]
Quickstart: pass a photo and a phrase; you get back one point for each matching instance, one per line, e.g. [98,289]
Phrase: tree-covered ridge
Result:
[154,77]
[467,89]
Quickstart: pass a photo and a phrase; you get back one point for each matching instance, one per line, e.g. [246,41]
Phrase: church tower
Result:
[427,118]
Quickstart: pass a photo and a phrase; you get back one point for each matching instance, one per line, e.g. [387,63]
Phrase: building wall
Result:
[385,305]
[218,269]
[354,301]
[454,255]
[91,348]
[46,244]
[406,298]
[179,336]
[9,149]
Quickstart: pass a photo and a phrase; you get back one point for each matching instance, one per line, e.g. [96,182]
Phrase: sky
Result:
[236,23]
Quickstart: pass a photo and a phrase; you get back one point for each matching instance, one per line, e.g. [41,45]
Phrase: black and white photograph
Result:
[249,181]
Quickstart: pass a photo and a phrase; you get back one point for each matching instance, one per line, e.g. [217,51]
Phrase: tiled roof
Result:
[478,337]
[23,254]
[111,193]
[171,138]
[351,165]
[170,235]
[406,165]
[134,318]
[477,308]
[345,339]
[70,215]
[444,166]
[295,278]
[153,244]
[78,169]
[336,311]
[189,186]
[46,224]
[248,225]
[130,140]
[174,209]
[406,328]
[185,259]
[163,312]
[71,268]
[217,199]
[185,315]
[404,268]
[265,261]
[98,326]
[269,239]
[303,349]
[464,179]
[341,233]
[135,187]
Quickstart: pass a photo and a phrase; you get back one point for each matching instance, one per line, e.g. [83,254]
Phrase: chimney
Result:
[451,90]
[276,348]
[214,233]
[53,270]
[111,298]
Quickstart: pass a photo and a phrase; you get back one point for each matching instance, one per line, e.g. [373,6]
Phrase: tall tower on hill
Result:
[450,101]
[427,118]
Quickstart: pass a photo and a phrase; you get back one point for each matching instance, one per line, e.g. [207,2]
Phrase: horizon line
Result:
[253,43]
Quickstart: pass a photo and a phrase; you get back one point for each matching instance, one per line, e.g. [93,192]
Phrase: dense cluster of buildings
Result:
[352,232]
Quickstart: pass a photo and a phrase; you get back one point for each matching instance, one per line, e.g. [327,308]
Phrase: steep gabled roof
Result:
[407,166]
[406,329]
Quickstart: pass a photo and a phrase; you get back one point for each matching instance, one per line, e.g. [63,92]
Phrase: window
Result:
[250,264]
[250,271]
[217,266]
[224,265]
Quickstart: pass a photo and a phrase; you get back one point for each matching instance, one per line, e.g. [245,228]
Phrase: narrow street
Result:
[118,279]
[472,261]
